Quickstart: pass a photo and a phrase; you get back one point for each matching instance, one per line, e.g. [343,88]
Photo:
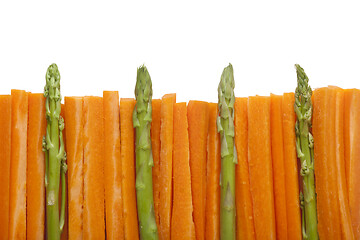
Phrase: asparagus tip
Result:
[301,75]
[227,83]
[228,73]
[143,82]
[53,72]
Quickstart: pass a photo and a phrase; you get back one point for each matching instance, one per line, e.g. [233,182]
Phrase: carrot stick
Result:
[352,155]
[65,232]
[35,188]
[244,205]
[325,159]
[166,153]
[212,211]
[291,168]
[5,155]
[112,167]
[198,117]
[18,164]
[155,142]
[128,165]
[348,112]
[182,224]
[74,150]
[349,118]
[345,218]
[277,154]
[260,167]
[93,218]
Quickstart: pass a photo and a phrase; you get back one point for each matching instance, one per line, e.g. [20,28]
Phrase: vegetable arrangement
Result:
[279,167]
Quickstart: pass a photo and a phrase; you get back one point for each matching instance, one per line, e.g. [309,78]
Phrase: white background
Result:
[185,45]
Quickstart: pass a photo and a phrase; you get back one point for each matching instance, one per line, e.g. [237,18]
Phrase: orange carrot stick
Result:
[5,155]
[324,158]
[155,142]
[291,168]
[277,154]
[18,164]
[212,211]
[260,167]
[74,152]
[345,218]
[198,117]
[352,155]
[182,224]
[65,232]
[93,218]
[244,205]
[349,117]
[35,200]
[166,161]
[112,167]
[128,165]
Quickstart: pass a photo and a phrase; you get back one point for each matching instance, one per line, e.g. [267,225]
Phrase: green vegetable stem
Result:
[55,156]
[225,126]
[305,152]
[142,117]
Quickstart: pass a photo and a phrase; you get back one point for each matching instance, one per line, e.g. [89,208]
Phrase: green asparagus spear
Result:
[225,125]
[305,152]
[144,160]
[55,156]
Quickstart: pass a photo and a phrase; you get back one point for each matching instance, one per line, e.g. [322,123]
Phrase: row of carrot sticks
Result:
[101,195]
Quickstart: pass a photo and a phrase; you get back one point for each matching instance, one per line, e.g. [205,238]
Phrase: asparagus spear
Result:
[225,125]
[305,152]
[144,160]
[55,156]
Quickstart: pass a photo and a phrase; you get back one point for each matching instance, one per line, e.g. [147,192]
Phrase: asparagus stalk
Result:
[225,125]
[55,157]
[305,152]
[142,117]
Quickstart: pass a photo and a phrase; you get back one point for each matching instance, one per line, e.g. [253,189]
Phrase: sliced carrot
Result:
[155,142]
[244,205]
[5,155]
[182,213]
[35,200]
[166,162]
[128,165]
[212,211]
[260,167]
[291,169]
[18,164]
[93,218]
[348,103]
[277,154]
[352,155]
[75,162]
[198,117]
[112,167]
[345,218]
[325,159]
[65,232]
[349,117]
